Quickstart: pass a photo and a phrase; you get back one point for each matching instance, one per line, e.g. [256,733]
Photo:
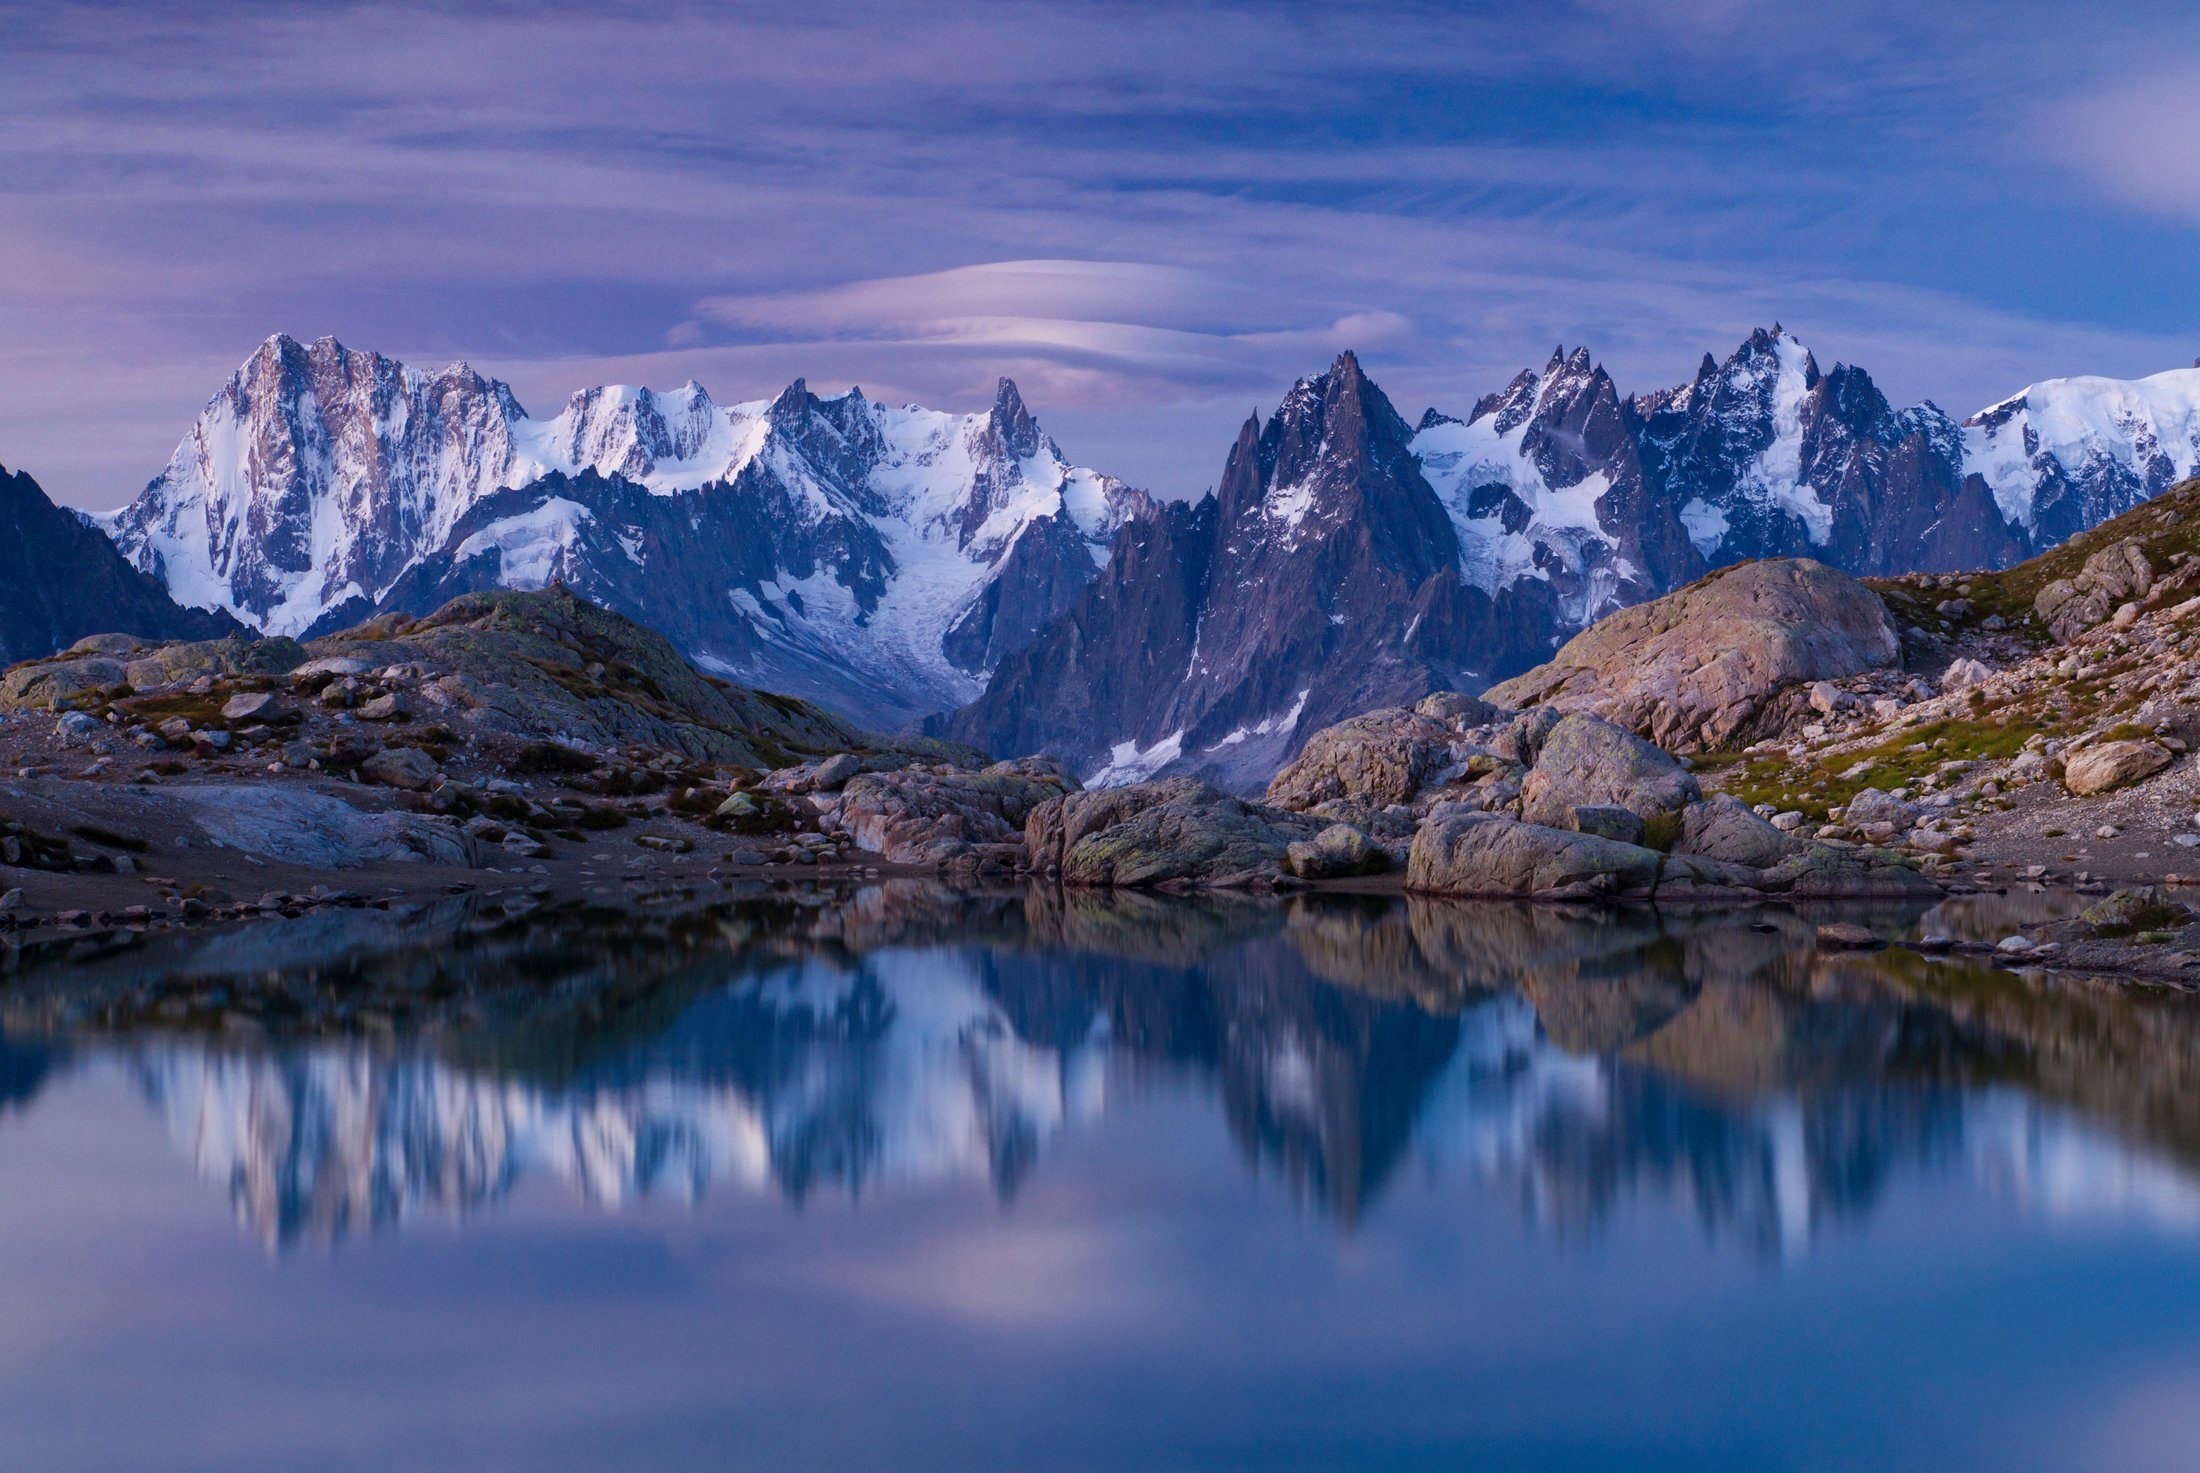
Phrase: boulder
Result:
[835,771]
[1724,828]
[1488,854]
[2128,912]
[1178,833]
[2116,574]
[1708,666]
[53,684]
[331,665]
[1457,711]
[256,705]
[401,767]
[388,707]
[919,816]
[1963,673]
[1337,852]
[1873,806]
[1586,761]
[107,644]
[1380,758]
[2106,765]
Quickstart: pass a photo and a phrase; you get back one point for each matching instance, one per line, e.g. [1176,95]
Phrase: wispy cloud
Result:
[1154,215]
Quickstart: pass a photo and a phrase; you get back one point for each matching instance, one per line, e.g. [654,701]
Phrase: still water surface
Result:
[912,1180]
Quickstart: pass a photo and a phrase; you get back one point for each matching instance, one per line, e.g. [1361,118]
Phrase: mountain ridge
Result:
[902,564]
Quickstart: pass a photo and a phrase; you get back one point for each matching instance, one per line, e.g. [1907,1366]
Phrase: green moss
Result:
[1660,831]
[1816,787]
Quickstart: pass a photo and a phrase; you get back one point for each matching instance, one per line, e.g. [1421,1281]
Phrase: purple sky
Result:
[1154,217]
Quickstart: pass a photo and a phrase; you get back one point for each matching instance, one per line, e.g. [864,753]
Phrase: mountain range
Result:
[877,559]
[905,565]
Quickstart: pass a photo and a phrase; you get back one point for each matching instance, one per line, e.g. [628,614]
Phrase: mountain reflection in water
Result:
[345,1072]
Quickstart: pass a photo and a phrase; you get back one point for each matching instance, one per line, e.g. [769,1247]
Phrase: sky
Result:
[1154,217]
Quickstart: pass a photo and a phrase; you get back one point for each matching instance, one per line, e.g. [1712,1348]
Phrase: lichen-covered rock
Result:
[2128,912]
[1586,761]
[1706,667]
[835,771]
[1872,806]
[925,815]
[1178,833]
[401,767]
[1337,852]
[2107,765]
[54,684]
[1724,828]
[1487,854]
[1380,758]
[2117,573]
[179,664]
[552,666]
[1607,821]
[108,644]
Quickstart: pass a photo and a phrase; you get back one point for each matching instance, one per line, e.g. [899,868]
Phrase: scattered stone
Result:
[1964,672]
[386,708]
[401,767]
[252,706]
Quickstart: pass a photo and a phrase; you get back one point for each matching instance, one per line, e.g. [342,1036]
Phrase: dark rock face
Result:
[1767,457]
[1320,580]
[61,579]
[1345,565]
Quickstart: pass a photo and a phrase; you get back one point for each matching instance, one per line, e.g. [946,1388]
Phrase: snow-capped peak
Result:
[2114,442]
[319,477]
[1521,493]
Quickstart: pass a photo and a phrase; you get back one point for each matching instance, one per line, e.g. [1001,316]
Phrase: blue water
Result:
[919,1181]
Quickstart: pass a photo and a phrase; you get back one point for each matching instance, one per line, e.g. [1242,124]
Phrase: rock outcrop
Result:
[2110,578]
[1710,666]
[1720,851]
[1177,833]
[1587,762]
[928,815]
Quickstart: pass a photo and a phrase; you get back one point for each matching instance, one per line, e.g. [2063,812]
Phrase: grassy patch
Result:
[1816,787]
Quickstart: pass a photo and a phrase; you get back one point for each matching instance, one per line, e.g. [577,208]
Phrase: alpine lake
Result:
[911,1178]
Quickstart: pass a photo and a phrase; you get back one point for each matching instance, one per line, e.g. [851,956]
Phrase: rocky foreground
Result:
[515,740]
[1777,730]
